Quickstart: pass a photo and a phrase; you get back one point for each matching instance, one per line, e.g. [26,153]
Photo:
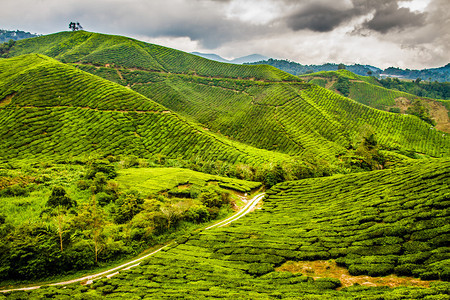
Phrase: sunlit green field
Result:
[153,180]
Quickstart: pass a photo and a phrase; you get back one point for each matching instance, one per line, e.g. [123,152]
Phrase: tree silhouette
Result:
[75,26]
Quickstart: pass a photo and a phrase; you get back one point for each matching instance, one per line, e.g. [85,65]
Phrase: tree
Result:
[341,67]
[75,26]
[369,73]
[58,205]
[91,221]
[172,212]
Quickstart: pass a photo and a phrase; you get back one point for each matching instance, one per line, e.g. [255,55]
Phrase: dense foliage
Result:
[396,96]
[437,90]
[53,110]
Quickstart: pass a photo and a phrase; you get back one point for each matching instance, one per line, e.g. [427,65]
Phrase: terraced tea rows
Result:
[377,223]
[288,117]
[56,110]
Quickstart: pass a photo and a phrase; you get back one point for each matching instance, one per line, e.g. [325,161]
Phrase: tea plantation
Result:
[50,109]
[376,223]
[258,105]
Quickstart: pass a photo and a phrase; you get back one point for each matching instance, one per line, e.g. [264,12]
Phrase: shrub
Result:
[59,197]
[327,283]
[259,269]
[14,191]
[102,166]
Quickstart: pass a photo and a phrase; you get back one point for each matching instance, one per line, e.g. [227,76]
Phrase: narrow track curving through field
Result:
[114,271]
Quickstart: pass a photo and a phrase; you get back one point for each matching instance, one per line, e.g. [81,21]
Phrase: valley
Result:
[111,146]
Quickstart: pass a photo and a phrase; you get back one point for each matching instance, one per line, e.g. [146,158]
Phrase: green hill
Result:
[376,223]
[369,91]
[99,49]
[248,104]
[49,109]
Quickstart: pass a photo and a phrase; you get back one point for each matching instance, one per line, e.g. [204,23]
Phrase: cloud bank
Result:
[403,33]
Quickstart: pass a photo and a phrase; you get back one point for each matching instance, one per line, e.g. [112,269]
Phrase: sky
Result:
[411,34]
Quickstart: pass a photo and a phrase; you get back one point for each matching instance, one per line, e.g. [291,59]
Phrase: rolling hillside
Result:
[376,223]
[99,49]
[54,110]
[367,90]
[248,104]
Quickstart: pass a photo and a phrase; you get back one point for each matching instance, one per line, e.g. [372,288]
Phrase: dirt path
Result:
[114,271]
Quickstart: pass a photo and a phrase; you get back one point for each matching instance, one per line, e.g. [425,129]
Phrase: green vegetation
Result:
[265,114]
[54,110]
[434,74]
[99,49]
[113,146]
[381,222]
[178,181]
[58,218]
[435,89]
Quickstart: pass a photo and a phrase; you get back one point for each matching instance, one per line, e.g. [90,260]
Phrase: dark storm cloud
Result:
[292,29]
[317,17]
[389,16]
[322,17]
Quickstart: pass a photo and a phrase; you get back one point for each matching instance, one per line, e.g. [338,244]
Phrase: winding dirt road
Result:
[114,271]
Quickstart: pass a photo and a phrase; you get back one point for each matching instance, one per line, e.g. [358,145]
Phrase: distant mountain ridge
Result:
[6,35]
[240,60]
[441,74]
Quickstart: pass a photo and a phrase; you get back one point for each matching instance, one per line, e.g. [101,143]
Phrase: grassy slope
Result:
[153,180]
[52,109]
[374,223]
[293,118]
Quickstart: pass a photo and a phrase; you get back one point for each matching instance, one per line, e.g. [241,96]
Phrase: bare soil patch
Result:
[184,186]
[402,103]
[7,100]
[329,268]
[440,114]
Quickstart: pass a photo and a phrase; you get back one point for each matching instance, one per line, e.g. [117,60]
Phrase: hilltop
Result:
[100,50]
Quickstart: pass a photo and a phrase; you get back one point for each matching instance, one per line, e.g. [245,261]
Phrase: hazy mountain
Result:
[6,35]
[240,60]
[441,74]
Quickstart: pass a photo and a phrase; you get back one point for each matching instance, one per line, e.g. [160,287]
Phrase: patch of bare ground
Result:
[438,113]
[402,103]
[329,268]
[7,100]
[184,186]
